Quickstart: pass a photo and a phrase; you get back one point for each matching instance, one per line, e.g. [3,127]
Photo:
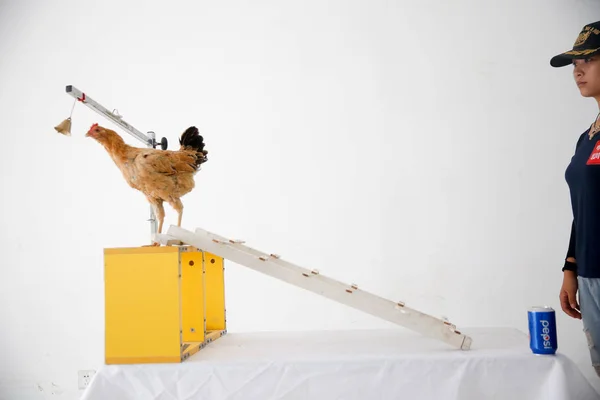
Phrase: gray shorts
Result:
[589,303]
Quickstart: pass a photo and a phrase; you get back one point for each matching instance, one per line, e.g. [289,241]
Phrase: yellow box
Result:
[162,304]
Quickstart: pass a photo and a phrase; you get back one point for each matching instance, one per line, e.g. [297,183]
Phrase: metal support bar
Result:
[149,141]
[311,280]
[91,103]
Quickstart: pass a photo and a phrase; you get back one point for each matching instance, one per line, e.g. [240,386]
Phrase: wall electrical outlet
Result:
[85,376]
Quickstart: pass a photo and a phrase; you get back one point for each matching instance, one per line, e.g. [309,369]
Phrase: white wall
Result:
[442,124]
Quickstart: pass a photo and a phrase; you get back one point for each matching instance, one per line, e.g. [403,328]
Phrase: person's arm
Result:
[568,291]
[571,261]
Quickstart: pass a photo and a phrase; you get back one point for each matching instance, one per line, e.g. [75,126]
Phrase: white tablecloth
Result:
[380,364]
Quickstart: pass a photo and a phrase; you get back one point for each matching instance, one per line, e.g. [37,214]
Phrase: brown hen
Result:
[162,175]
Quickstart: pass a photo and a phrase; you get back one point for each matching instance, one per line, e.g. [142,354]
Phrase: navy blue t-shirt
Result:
[583,177]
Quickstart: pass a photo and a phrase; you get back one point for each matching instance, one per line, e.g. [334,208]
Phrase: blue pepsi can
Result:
[542,330]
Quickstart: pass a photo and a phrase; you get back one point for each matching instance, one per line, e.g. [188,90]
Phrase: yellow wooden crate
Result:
[162,304]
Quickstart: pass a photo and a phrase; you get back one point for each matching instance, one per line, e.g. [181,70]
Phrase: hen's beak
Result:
[91,133]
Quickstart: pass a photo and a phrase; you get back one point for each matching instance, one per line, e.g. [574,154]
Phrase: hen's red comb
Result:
[93,126]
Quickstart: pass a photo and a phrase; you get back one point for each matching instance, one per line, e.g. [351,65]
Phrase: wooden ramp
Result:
[311,280]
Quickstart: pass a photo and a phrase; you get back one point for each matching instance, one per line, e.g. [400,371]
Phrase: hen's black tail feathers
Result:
[192,140]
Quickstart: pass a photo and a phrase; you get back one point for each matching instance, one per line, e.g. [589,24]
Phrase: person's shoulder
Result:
[581,137]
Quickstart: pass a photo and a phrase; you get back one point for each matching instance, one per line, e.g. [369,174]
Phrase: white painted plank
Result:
[334,290]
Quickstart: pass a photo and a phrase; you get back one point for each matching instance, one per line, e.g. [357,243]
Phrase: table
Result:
[356,364]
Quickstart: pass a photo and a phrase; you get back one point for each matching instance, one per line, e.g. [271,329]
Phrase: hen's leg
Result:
[159,210]
[177,206]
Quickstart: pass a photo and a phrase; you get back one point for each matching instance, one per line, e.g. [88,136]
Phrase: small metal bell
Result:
[64,127]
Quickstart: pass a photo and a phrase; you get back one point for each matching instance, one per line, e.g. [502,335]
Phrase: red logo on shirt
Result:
[595,156]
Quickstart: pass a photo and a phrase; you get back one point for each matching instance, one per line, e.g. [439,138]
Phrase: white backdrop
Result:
[415,148]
